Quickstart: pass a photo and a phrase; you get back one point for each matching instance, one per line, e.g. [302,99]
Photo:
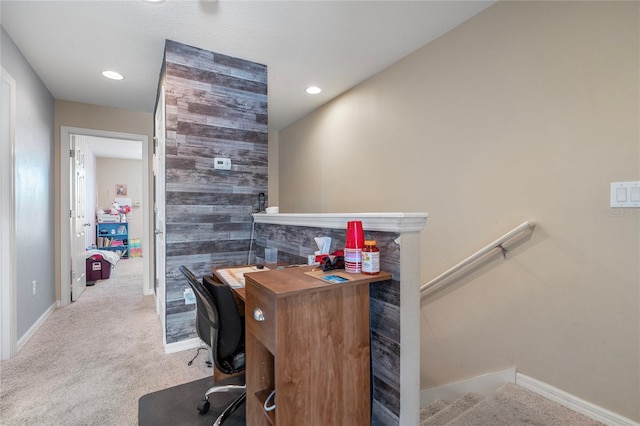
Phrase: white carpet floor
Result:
[91,361]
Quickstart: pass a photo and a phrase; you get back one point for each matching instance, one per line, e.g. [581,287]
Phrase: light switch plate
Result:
[625,194]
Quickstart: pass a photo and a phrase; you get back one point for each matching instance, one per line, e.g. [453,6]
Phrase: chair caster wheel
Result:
[203,407]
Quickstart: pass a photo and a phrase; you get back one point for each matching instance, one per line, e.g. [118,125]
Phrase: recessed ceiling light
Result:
[313,90]
[112,75]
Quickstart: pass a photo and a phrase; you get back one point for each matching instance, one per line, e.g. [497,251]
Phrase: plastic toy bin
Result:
[97,268]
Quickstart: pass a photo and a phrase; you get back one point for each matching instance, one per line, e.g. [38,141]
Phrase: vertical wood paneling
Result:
[216,106]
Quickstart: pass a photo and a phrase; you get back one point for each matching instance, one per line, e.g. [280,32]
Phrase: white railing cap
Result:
[387,222]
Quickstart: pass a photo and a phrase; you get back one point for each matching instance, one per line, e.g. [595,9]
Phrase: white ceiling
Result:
[114,148]
[333,44]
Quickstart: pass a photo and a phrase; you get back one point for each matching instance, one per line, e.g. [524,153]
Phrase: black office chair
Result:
[221,327]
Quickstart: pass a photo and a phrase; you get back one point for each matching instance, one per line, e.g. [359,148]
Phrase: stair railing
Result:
[436,283]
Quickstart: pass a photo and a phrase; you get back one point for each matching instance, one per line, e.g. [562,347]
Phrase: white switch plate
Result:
[625,194]
[220,163]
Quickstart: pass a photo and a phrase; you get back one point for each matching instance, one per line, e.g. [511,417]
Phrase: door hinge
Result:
[72,153]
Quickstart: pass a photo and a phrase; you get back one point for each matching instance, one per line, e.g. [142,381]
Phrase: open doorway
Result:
[105,143]
[114,199]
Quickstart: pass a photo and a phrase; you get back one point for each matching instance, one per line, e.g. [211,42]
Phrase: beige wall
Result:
[96,117]
[525,112]
[115,171]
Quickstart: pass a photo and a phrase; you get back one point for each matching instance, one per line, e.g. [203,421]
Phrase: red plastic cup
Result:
[353,245]
[355,235]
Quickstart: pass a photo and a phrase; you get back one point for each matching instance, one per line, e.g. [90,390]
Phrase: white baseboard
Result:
[183,345]
[26,336]
[483,385]
[573,402]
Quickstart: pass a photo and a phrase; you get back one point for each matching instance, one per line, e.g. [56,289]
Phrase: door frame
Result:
[65,197]
[8,272]
[159,283]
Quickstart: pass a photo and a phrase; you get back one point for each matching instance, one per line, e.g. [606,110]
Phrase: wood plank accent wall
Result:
[294,243]
[216,106]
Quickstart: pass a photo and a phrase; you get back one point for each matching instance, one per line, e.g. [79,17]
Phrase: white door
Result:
[78,218]
[159,211]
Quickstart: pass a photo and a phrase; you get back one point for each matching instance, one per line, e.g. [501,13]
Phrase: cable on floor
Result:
[198,353]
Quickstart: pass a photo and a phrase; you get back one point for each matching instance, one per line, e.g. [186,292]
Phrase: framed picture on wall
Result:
[121,190]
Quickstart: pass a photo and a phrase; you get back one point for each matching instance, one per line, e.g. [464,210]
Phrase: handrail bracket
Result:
[504,251]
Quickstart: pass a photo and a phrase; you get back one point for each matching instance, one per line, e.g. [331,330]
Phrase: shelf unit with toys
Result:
[113,237]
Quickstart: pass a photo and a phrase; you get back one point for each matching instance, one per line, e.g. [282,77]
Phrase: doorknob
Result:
[157,231]
[87,224]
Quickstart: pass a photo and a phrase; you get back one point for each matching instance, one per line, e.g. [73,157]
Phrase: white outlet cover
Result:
[189,297]
[625,194]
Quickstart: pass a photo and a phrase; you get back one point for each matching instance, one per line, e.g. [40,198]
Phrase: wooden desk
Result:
[311,345]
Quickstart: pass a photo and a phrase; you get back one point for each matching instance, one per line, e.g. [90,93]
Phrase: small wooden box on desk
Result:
[308,340]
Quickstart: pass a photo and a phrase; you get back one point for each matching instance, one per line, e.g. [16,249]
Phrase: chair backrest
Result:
[218,321]
[230,333]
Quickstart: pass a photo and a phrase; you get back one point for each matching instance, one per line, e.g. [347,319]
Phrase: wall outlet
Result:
[33,287]
[189,297]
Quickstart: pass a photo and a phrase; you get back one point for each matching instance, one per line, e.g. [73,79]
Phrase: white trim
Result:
[26,336]
[409,328]
[182,345]
[65,132]
[483,385]
[8,272]
[387,222]
[573,402]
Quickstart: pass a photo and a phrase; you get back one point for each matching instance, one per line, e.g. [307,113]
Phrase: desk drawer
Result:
[260,317]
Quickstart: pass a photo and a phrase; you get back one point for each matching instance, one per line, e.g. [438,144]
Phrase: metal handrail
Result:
[435,283]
